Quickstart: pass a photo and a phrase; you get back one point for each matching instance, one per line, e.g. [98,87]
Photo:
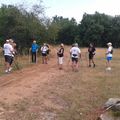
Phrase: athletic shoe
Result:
[109,68]
[6,71]
[10,69]
[89,65]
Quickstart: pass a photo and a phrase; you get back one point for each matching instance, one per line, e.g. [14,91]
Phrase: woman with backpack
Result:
[60,55]
[91,51]
[44,50]
[109,56]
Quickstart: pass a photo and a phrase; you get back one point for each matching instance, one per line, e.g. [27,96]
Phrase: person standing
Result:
[75,54]
[48,51]
[60,55]
[109,56]
[91,51]
[11,41]
[44,50]
[34,49]
[8,52]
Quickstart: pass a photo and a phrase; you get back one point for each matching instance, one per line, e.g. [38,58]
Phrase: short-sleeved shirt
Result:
[91,50]
[75,51]
[44,49]
[109,51]
[34,47]
[8,49]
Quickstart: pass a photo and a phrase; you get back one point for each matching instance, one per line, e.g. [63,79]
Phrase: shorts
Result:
[109,58]
[60,60]
[91,56]
[74,59]
[44,54]
[8,59]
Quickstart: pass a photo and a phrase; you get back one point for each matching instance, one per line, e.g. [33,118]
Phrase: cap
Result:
[7,40]
[11,40]
[34,41]
[76,44]
[109,43]
[62,45]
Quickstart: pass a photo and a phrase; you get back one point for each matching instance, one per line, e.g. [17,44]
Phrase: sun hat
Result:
[7,40]
[76,44]
[62,45]
[34,41]
[11,40]
[109,43]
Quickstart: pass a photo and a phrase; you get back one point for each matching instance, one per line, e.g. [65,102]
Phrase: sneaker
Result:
[6,71]
[89,65]
[109,68]
[10,69]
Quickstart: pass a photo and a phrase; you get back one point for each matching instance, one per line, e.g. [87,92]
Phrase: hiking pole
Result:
[29,55]
[108,108]
[69,61]
[16,64]
[86,57]
[36,57]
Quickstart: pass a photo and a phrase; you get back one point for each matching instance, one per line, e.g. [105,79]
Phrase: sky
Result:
[73,8]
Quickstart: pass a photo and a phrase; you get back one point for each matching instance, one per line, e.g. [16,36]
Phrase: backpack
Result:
[111,51]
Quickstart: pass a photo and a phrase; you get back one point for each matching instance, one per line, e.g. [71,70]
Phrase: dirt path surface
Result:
[24,83]
[42,92]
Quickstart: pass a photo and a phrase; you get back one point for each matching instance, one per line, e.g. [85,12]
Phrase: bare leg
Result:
[89,62]
[77,66]
[42,59]
[93,63]
[72,66]
[60,66]
[7,66]
[46,59]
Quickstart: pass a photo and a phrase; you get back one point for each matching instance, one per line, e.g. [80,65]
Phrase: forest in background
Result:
[24,26]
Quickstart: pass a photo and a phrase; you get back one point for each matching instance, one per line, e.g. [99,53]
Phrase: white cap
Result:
[62,45]
[34,41]
[76,44]
[7,40]
[109,44]
[11,40]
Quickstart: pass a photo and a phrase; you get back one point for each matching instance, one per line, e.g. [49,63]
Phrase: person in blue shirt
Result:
[34,48]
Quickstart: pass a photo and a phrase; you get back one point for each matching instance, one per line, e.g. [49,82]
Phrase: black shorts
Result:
[91,56]
[8,58]
[74,59]
[44,54]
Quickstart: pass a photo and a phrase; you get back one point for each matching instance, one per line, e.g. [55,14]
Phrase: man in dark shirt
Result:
[91,51]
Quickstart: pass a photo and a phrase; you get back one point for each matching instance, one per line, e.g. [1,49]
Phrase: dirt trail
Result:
[40,81]
[24,83]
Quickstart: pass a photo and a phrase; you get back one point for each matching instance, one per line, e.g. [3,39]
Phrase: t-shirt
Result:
[34,47]
[91,50]
[8,49]
[109,54]
[44,49]
[75,51]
